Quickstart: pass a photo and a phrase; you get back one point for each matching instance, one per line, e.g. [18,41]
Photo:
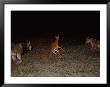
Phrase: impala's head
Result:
[57,37]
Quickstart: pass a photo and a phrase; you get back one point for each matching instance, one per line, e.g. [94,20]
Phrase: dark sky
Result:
[67,23]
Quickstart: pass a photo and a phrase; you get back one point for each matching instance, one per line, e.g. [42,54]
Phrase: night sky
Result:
[69,24]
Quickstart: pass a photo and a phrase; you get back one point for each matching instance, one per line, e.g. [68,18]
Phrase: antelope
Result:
[55,45]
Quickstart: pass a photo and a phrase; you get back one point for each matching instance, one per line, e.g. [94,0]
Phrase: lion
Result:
[93,42]
[17,50]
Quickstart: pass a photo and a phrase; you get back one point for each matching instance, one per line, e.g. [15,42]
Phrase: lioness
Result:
[18,49]
[93,42]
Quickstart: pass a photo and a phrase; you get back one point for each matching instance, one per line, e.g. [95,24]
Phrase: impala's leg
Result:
[58,52]
[53,51]
[61,48]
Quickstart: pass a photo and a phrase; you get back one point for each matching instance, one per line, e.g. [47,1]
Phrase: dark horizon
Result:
[72,24]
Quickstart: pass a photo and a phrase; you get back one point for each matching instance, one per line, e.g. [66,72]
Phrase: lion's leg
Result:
[13,55]
[19,58]
[13,58]
[94,47]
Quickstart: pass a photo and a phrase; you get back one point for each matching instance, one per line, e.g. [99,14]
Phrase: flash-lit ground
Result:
[76,61]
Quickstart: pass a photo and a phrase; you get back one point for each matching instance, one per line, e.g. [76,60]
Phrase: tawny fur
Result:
[17,49]
[16,52]
[55,46]
[93,42]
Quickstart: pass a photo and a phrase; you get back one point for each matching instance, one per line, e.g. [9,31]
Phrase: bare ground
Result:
[76,61]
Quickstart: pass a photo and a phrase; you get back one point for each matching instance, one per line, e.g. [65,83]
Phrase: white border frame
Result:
[56,80]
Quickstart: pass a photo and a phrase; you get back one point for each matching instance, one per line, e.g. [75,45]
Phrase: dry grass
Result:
[76,61]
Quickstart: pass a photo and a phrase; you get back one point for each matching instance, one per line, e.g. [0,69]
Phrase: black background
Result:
[69,24]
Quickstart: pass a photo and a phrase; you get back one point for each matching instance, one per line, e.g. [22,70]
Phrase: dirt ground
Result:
[77,60]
